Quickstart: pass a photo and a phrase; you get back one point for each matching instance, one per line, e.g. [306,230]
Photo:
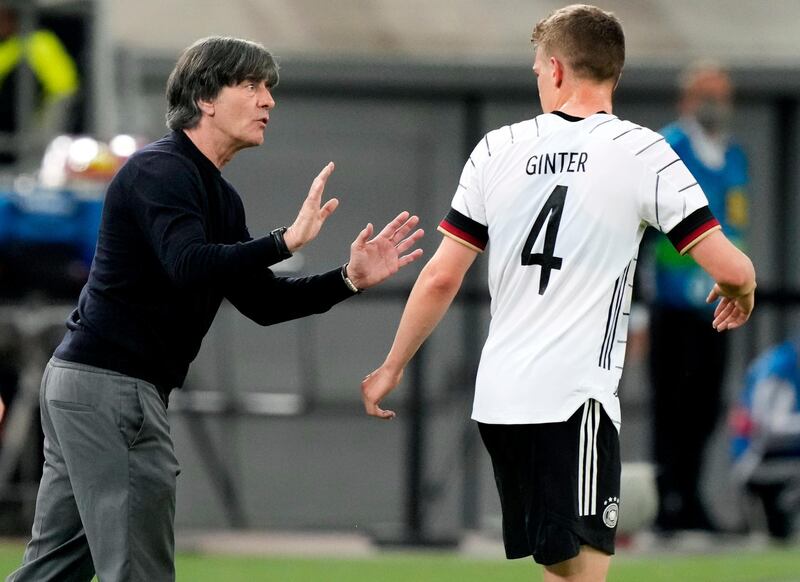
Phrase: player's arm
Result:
[734,276]
[430,298]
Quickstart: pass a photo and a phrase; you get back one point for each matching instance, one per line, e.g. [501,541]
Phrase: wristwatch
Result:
[348,281]
[280,244]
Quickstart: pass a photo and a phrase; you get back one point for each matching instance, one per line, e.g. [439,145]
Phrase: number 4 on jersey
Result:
[546,259]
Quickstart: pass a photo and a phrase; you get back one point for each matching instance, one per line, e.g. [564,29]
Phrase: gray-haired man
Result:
[172,244]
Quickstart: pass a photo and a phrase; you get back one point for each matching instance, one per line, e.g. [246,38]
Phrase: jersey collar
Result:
[568,117]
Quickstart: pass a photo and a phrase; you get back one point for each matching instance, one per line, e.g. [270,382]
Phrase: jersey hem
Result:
[688,231]
[701,236]
[458,239]
[610,409]
[465,228]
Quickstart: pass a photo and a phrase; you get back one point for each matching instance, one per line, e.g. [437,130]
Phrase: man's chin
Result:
[253,141]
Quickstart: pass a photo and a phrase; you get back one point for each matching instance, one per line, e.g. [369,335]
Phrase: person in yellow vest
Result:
[56,83]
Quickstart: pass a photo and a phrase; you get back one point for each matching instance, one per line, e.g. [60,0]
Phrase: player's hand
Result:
[374,260]
[731,312]
[313,213]
[375,387]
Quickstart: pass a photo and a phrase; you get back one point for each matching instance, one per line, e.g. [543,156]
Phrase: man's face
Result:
[241,112]
[708,97]
[545,81]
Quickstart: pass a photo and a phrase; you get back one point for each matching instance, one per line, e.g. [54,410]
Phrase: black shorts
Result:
[558,484]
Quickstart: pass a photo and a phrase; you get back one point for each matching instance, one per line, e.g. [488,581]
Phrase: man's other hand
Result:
[373,260]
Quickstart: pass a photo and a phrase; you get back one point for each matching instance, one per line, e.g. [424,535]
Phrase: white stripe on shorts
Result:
[587,459]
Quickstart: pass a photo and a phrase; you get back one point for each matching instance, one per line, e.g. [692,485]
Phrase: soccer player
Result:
[173,243]
[562,201]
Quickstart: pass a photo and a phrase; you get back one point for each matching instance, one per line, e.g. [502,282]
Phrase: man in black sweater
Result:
[172,244]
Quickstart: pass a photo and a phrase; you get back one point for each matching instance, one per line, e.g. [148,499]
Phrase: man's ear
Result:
[206,107]
[558,71]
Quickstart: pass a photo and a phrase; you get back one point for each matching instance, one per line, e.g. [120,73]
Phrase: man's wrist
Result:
[349,282]
[735,293]
[393,369]
[752,289]
[289,239]
[284,252]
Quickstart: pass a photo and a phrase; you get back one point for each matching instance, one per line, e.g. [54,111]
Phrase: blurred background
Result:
[269,429]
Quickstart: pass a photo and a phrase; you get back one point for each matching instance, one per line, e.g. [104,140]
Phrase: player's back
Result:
[565,202]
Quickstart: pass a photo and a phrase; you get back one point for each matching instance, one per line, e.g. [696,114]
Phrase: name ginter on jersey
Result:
[557,163]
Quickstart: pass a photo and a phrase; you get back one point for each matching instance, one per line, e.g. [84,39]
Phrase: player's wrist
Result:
[393,368]
[737,292]
[751,289]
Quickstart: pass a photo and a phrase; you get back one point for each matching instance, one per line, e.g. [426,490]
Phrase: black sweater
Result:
[172,244]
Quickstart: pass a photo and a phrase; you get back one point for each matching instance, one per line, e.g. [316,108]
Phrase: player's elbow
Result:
[440,280]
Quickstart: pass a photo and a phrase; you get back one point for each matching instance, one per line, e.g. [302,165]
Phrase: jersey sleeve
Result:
[671,200]
[466,221]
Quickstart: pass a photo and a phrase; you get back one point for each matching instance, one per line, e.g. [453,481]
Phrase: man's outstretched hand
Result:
[373,260]
[313,213]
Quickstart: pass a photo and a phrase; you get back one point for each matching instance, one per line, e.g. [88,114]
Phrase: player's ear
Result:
[558,71]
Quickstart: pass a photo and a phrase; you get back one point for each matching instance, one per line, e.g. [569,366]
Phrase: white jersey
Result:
[564,202]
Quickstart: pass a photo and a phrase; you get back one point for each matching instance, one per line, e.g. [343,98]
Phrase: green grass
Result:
[767,566]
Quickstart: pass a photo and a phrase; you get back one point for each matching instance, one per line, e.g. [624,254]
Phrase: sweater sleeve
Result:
[167,196]
[267,299]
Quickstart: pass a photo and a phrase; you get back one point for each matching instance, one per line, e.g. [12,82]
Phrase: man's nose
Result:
[266,99]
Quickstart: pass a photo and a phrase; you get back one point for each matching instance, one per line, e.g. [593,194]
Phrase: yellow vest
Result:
[47,58]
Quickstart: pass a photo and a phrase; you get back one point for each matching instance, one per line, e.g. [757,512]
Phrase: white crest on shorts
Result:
[611,512]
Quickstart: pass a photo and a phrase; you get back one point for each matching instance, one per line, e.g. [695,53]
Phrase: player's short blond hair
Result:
[589,40]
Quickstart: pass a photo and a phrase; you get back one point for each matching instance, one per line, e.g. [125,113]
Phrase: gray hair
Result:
[209,65]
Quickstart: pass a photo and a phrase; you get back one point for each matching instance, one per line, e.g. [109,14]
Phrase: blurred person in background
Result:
[173,243]
[687,357]
[562,201]
[765,431]
[35,65]
[55,84]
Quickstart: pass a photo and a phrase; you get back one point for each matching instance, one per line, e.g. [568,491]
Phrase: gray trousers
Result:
[106,502]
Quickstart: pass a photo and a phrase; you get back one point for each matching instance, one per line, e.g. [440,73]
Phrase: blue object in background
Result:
[6,219]
[48,217]
[47,242]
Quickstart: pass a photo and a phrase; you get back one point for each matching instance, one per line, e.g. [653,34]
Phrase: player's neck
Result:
[584,100]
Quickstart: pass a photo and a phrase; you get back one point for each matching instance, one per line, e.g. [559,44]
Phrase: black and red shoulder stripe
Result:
[693,229]
[465,230]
